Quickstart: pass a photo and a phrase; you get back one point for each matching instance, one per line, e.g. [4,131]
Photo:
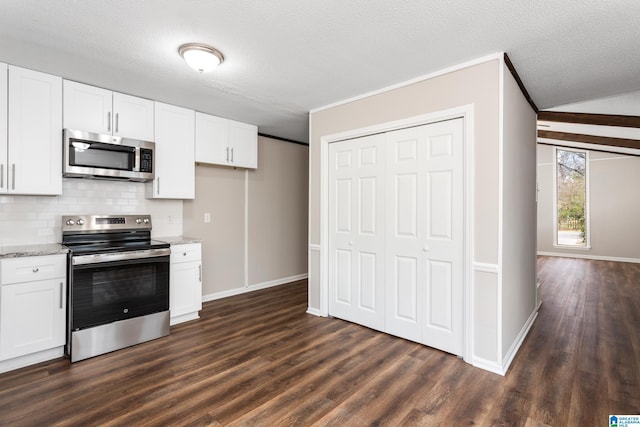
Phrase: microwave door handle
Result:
[136,166]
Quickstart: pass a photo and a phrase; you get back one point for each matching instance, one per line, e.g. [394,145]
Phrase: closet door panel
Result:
[356,224]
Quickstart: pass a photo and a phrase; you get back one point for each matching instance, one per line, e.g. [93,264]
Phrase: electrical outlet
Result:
[207,217]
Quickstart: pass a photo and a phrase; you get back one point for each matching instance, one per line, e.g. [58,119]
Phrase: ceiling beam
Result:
[590,119]
[590,139]
[515,75]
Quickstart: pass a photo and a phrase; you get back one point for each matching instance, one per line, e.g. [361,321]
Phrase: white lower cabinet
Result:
[33,307]
[185,282]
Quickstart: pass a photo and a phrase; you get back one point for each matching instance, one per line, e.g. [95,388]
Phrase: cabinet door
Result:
[175,153]
[35,132]
[185,293]
[212,136]
[3,128]
[32,317]
[133,117]
[243,143]
[87,108]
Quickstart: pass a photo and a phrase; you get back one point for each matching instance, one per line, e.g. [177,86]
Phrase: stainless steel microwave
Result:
[93,155]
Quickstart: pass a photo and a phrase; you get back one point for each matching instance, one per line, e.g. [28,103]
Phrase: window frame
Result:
[587,213]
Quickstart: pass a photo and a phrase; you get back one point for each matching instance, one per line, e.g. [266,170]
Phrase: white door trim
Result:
[467,113]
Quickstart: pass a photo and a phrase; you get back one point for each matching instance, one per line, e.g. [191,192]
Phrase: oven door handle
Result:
[119,256]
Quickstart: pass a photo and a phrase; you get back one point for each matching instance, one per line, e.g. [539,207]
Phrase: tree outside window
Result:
[571,198]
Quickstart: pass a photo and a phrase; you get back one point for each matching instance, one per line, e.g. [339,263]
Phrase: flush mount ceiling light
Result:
[201,57]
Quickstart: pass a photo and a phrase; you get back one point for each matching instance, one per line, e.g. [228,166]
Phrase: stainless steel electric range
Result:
[118,283]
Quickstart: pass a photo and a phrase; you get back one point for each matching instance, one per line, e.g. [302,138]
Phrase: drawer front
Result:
[30,269]
[185,253]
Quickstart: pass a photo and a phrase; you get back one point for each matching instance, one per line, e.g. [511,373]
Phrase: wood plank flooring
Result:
[258,359]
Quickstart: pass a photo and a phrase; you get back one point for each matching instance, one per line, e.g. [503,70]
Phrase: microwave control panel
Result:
[146,160]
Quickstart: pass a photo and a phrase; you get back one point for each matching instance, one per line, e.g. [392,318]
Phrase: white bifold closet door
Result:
[357,224]
[396,233]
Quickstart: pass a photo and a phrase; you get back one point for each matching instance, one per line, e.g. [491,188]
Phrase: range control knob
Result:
[138,221]
[80,221]
[146,220]
[70,222]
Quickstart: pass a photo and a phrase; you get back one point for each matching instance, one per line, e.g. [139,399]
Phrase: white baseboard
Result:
[314,311]
[495,367]
[487,365]
[588,256]
[184,318]
[513,350]
[31,359]
[251,288]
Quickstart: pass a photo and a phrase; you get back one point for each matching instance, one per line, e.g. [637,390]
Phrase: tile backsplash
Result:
[26,220]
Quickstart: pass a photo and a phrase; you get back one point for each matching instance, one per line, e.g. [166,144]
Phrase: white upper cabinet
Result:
[174,154]
[87,108]
[93,109]
[226,142]
[3,127]
[243,144]
[133,117]
[32,154]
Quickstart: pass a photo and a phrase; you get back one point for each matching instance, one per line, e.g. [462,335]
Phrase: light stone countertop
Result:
[178,240]
[19,251]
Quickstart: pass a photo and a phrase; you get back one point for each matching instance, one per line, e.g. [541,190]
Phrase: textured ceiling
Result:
[285,57]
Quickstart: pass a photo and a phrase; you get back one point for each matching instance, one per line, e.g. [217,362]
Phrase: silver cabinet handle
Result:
[13,176]
[109,121]
[227,154]
[35,270]
[61,295]
[1,175]
[117,122]
[200,273]
[232,155]
[158,187]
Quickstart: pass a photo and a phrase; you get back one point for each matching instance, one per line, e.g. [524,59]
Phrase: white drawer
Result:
[30,269]
[186,252]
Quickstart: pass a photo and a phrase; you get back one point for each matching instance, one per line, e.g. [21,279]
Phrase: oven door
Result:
[109,287]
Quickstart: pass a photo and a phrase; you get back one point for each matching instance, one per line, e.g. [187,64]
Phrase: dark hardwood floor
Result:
[258,359]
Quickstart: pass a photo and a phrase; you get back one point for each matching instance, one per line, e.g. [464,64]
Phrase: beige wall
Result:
[518,213]
[219,191]
[613,201]
[276,209]
[278,212]
[479,86]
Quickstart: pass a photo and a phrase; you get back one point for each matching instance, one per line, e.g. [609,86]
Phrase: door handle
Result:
[109,121]
[1,175]
[61,295]
[227,154]
[200,273]
[13,176]
[426,248]
[232,155]
[117,122]
[158,187]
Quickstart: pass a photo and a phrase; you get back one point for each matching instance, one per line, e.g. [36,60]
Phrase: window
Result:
[571,198]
